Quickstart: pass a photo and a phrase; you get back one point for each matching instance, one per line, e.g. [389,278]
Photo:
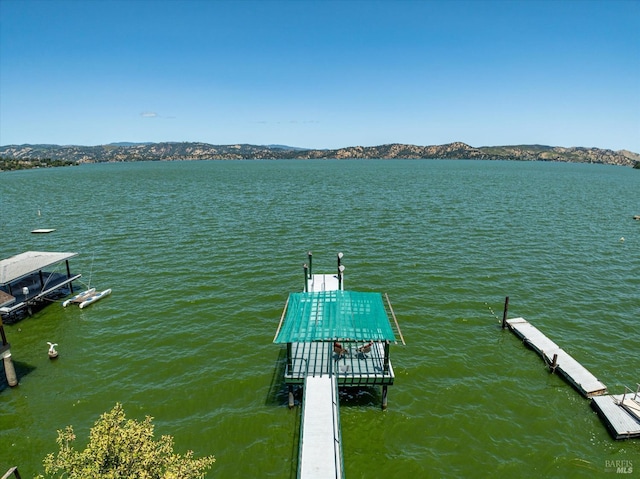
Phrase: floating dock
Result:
[559,360]
[620,413]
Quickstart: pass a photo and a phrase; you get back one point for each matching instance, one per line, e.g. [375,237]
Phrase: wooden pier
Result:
[557,359]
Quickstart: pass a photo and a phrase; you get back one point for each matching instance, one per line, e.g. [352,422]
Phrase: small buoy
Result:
[622,239]
[52,350]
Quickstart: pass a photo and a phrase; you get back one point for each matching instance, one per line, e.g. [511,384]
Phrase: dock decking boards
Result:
[320,443]
[585,382]
[620,423]
[323,282]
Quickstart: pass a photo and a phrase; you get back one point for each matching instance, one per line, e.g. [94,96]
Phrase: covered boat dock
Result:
[314,322]
[31,278]
[334,338]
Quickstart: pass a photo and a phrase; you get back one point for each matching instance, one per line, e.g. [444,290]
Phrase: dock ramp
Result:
[320,440]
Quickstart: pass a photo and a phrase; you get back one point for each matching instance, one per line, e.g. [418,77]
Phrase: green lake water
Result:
[201,257]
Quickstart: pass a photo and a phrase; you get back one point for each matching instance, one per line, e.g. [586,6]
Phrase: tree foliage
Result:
[12,164]
[120,448]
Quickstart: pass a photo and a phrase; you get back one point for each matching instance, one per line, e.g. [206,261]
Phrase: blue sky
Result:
[321,74]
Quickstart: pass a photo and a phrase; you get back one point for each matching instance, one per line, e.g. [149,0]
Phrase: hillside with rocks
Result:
[29,156]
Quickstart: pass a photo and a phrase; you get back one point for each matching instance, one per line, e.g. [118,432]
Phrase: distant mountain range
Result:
[26,156]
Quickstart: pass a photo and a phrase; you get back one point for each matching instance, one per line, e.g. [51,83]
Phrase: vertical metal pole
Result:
[504,315]
[386,356]
[290,371]
[310,255]
[4,337]
[69,276]
[306,277]
[289,359]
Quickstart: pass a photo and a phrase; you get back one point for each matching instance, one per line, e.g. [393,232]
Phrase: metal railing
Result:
[629,390]
[12,471]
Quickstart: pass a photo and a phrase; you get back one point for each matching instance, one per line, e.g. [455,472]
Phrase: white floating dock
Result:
[619,418]
[567,366]
[320,441]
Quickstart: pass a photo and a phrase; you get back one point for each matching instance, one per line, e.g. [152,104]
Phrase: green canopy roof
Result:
[335,315]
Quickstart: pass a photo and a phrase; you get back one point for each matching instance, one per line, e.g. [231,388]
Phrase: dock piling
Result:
[504,314]
[340,270]
[5,352]
[384,397]
[554,363]
[9,369]
[291,399]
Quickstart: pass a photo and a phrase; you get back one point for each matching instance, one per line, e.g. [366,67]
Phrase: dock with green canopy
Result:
[334,338]
[313,322]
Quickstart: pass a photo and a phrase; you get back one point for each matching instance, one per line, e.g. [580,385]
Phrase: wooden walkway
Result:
[576,374]
[320,438]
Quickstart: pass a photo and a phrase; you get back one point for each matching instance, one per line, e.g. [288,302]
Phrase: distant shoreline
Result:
[15,157]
